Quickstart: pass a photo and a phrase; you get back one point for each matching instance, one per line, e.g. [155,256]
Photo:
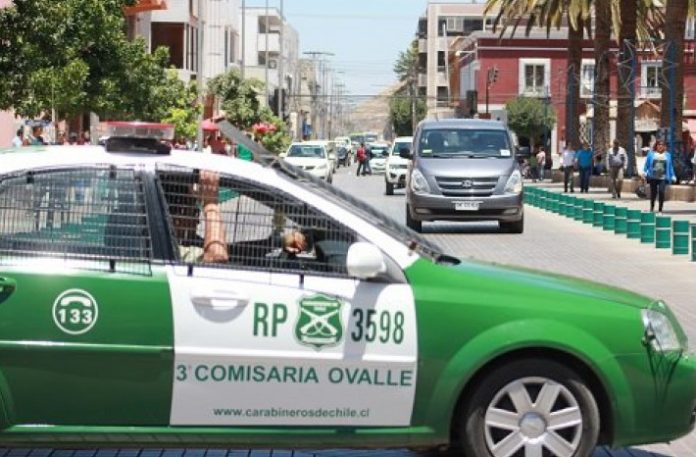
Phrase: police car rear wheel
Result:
[531,407]
[390,189]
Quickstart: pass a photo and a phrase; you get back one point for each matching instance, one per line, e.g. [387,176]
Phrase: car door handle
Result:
[219,299]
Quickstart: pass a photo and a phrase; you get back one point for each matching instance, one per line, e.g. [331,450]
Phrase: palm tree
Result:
[673,74]
[602,95]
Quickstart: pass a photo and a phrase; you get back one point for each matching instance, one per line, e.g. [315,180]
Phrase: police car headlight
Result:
[321,166]
[514,183]
[662,331]
[419,184]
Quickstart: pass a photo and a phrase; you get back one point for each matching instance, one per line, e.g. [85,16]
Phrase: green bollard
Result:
[554,202]
[663,232]
[562,204]
[609,217]
[647,227]
[693,242]
[579,203]
[620,220]
[587,211]
[680,237]
[597,214]
[570,207]
[633,224]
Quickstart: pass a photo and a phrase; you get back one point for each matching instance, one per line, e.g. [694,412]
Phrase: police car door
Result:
[272,338]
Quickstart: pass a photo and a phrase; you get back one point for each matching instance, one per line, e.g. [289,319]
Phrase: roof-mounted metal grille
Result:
[89,217]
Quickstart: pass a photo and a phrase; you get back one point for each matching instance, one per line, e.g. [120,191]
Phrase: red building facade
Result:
[537,66]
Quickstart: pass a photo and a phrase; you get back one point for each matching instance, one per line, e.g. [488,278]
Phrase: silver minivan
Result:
[464,170]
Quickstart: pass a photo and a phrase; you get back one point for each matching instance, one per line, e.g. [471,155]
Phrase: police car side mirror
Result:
[405,153]
[365,260]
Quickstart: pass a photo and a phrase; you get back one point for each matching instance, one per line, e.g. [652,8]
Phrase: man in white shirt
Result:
[616,164]
[568,162]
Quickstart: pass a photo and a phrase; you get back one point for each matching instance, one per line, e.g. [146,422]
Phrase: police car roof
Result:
[65,156]
[461,124]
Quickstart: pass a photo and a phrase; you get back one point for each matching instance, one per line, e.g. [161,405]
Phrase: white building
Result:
[443,23]
[177,28]
[262,53]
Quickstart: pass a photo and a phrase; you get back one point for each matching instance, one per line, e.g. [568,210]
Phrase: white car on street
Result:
[378,160]
[396,166]
[312,157]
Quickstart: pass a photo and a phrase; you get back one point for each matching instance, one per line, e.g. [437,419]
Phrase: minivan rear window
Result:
[457,142]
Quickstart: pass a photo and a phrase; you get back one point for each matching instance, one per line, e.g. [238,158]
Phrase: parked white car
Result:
[330,147]
[396,166]
[312,157]
[378,162]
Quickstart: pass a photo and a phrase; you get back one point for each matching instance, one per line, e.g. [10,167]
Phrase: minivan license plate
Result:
[466,206]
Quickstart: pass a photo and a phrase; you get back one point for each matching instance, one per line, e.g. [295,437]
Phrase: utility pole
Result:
[413,87]
[243,63]
[281,76]
[199,74]
[265,79]
[318,75]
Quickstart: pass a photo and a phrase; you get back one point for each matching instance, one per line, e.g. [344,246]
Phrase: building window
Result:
[650,79]
[459,25]
[441,64]
[690,31]
[442,96]
[587,77]
[534,76]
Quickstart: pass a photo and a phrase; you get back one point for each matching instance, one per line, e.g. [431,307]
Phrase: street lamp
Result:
[315,58]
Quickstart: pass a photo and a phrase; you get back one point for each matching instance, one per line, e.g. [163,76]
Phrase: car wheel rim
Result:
[533,417]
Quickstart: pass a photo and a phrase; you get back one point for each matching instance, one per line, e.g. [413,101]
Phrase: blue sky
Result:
[365,35]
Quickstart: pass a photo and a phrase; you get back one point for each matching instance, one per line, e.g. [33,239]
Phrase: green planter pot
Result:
[577,210]
[620,220]
[680,237]
[693,243]
[609,217]
[633,224]
[598,214]
[663,232]
[588,211]
[647,228]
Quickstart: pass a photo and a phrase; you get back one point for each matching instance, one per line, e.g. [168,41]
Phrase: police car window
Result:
[95,215]
[260,228]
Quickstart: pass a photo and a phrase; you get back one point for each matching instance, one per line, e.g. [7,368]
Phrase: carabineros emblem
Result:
[319,322]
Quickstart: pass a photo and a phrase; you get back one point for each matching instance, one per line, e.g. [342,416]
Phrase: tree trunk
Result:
[626,127]
[673,81]
[572,117]
[600,131]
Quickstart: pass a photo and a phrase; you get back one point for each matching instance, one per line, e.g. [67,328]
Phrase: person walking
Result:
[616,164]
[361,155]
[568,162]
[659,172]
[368,157]
[584,162]
[541,163]
[533,167]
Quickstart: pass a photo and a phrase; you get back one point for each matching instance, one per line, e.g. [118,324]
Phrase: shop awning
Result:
[145,5]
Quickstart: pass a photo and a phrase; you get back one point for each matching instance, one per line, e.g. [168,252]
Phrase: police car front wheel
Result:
[531,407]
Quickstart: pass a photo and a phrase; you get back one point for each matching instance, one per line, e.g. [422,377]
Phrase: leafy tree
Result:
[407,112]
[530,117]
[240,102]
[400,113]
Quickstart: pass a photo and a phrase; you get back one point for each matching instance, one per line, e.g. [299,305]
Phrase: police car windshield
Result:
[396,150]
[378,151]
[306,151]
[457,143]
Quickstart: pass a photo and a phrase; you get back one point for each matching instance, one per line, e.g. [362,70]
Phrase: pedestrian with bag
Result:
[361,156]
[568,162]
[659,172]
[616,164]
[583,159]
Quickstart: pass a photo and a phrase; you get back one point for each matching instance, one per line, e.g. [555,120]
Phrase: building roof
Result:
[142,6]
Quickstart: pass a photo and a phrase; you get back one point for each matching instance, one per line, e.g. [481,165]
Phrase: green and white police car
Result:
[118,328]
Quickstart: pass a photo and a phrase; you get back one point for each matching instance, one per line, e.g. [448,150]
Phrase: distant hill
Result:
[373,114]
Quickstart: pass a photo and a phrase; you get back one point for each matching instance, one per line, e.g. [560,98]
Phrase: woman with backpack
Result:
[659,172]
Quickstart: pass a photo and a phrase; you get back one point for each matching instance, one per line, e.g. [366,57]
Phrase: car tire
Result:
[390,188]
[516,393]
[330,178]
[513,227]
[411,223]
